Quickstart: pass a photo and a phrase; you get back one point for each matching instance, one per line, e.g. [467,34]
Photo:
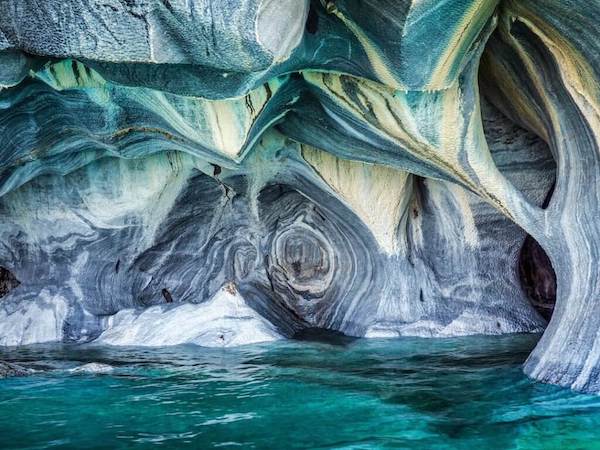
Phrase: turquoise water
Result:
[466,393]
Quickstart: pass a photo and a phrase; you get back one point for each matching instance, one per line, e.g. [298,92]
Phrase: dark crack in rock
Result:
[7,281]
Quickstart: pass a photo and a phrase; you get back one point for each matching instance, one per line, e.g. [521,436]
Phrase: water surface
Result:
[466,393]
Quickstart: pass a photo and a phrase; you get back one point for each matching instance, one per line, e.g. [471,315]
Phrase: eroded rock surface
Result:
[12,370]
[222,173]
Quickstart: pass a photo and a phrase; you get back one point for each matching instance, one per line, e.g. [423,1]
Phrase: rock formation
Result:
[224,172]
[12,370]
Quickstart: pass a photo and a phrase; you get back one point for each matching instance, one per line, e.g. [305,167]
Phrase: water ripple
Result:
[408,393]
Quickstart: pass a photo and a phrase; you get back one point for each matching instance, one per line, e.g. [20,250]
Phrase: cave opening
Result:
[537,276]
[7,281]
[323,336]
[508,138]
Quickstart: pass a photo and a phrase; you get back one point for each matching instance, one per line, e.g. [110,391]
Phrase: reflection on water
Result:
[408,393]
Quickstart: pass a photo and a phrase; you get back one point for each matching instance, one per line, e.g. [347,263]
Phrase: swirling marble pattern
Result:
[366,167]
[541,56]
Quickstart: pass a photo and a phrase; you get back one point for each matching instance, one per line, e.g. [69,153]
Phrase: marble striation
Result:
[223,173]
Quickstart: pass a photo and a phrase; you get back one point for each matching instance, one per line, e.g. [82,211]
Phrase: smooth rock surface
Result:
[223,321]
[93,368]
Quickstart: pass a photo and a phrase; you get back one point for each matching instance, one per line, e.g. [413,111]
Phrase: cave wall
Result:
[372,168]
